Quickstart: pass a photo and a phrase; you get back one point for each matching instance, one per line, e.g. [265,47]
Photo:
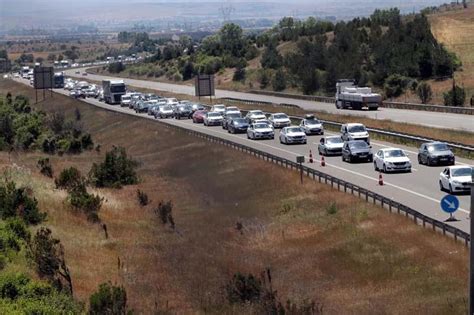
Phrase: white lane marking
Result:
[337,167]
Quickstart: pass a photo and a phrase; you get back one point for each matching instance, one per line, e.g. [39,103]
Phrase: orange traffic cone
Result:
[380,179]
[310,156]
[323,163]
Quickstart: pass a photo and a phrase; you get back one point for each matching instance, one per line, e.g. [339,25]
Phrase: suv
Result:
[354,131]
[356,150]
[435,153]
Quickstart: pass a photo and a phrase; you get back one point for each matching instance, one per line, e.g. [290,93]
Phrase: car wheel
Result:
[420,160]
[428,161]
[375,167]
[343,158]
[384,169]
[273,137]
[325,152]
[451,191]
[280,140]
[248,137]
[441,186]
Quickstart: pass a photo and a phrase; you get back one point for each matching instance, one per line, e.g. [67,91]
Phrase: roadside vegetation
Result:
[215,238]
[397,54]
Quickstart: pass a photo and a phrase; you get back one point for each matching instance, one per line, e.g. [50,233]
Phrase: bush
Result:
[243,289]
[395,85]
[279,81]
[264,79]
[164,212]
[117,170]
[48,255]
[45,167]
[88,203]
[108,300]
[424,92]
[142,198]
[68,179]
[16,202]
[455,97]
[116,67]
[239,74]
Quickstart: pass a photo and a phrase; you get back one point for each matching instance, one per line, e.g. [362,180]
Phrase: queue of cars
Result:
[352,144]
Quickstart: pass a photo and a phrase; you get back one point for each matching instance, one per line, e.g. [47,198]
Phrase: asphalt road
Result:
[418,190]
[432,119]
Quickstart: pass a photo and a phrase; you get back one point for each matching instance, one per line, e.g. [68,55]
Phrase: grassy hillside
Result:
[455,29]
[320,245]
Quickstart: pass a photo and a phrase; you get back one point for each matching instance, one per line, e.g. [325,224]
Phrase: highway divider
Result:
[339,184]
[386,104]
[465,150]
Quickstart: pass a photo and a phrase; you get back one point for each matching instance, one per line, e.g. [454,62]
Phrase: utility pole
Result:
[471,249]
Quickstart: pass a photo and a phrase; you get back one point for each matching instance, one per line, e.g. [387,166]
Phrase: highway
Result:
[431,119]
[418,190]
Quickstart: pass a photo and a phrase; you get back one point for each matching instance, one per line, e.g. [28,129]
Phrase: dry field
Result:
[320,244]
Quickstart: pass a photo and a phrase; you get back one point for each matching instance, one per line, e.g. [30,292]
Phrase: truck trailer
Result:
[113,91]
[348,95]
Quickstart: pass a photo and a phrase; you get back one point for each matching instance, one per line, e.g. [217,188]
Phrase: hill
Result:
[320,245]
[455,29]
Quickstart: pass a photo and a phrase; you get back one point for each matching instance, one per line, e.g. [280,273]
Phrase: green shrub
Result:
[108,300]
[17,202]
[116,170]
[395,85]
[424,92]
[88,203]
[455,97]
[45,167]
[69,178]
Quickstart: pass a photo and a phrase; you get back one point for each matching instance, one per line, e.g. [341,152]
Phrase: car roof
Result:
[332,137]
[354,124]
[390,149]
[279,114]
[459,166]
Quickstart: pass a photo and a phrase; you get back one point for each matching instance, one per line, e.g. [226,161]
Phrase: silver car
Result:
[292,134]
[330,145]
[164,111]
[213,119]
[260,130]
[279,120]
[312,126]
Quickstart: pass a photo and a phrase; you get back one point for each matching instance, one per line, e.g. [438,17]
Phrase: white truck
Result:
[349,95]
[113,91]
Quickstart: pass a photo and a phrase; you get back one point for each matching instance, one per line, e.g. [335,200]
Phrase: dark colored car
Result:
[182,111]
[198,116]
[237,125]
[435,153]
[228,117]
[357,150]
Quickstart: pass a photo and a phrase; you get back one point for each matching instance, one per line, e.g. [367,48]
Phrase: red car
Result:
[198,116]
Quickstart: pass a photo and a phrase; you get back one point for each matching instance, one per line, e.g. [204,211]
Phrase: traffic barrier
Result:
[323,162]
[380,179]
[310,156]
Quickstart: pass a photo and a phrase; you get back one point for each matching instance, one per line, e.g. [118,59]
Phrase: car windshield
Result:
[358,145]
[394,153]
[464,171]
[261,126]
[356,128]
[256,112]
[219,107]
[294,129]
[313,121]
[166,107]
[233,115]
[239,120]
[437,147]
[232,109]
[211,114]
[334,140]
[280,116]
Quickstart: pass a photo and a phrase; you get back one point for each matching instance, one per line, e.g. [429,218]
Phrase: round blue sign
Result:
[449,203]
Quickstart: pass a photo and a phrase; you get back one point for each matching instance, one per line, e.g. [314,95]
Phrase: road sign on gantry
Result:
[449,204]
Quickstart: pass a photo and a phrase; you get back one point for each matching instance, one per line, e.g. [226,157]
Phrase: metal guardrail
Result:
[339,184]
[386,104]
[458,146]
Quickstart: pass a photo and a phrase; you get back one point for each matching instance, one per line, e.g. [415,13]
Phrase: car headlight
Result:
[456,182]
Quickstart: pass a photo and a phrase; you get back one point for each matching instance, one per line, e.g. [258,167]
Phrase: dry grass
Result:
[359,259]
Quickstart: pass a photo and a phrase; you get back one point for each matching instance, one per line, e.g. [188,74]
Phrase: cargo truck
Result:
[113,91]
[348,95]
[58,80]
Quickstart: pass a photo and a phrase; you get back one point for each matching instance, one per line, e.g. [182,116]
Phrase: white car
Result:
[232,109]
[330,145]
[260,130]
[213,119]
[218,108]
[456,179]
[354,131]
[279,120]
[172,101]
[164,111]
[391,160]
[312,126]
[253,115]
[292,134]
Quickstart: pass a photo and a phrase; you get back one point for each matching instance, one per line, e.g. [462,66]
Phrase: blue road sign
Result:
[449,203]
